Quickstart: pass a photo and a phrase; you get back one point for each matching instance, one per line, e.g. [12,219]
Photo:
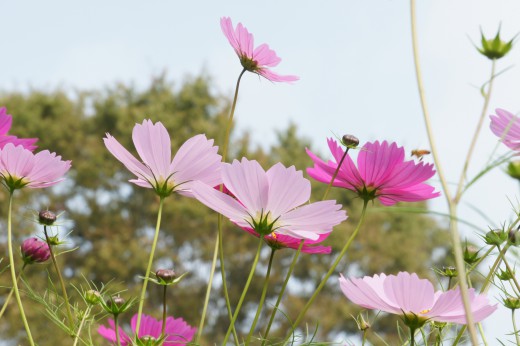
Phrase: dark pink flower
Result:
[5,125]
[381,173]
[20,168]
[257,60]
[506,126]
[280,241]
[177,331]
[35,250]
[413,298]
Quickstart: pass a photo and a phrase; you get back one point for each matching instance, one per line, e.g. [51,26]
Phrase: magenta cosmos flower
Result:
[196,159]
[278,241]
[506,126]
[177,331]
[19,168]
[257,60]
[6,121]
[270,201]
[382,173]
[413,298]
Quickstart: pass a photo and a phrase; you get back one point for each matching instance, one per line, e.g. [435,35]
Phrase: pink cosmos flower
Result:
[19,168]
[280,241]
[177,331]
[196,159]
[413,298]
[5,125]
[257,60]
[382,173]
[506,126]
[270,201]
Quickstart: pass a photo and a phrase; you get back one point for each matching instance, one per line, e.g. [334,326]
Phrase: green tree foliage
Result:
[112,220]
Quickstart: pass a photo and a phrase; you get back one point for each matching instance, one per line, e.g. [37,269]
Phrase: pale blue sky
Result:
[354,59]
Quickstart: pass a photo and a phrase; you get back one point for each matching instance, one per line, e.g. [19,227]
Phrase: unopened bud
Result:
[92,297]
[350,141]
[116,301]
[35,250]
[495,237]
[449,271]
[165,275]
[512,303]
[513,169]
[513,237]
[494,48]
[471,255]
[47,217]
[505,275]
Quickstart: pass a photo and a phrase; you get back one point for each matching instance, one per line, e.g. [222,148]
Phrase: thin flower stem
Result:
[331,270]
[13,272]
[282,290]
[60,278]
[262,298]
[163,328]
[488,279]
[244,291]
[116,324]
[9,296]
[487,97]
[335,174]
[513,276]
[515,330]
[457,248]
[412,337]
[149,267]
[218,244]
[482,334]
[81,324]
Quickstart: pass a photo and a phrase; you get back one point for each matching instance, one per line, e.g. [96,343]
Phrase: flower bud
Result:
[35,250]
[495,237]
[494,48]
[92,297]
[505,275]
[449,271]
[513,169]
[350,141]
[471,255]
[513,237]
[512,303]
[165,276]
[46,217]
[116,305]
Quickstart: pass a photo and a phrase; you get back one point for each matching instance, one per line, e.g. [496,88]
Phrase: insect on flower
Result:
[420,153]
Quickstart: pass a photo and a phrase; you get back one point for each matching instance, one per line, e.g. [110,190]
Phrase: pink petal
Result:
[153,145]
[288,189]
[409,292]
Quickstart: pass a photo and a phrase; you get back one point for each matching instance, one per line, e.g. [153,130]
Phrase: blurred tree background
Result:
[112,221]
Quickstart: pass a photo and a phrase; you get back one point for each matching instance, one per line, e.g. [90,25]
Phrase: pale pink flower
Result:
[270,201]
[257,60]
[382,173]
[196,159]
[6,121]
[413,298]
[506,126]
[19,167]
[177,331]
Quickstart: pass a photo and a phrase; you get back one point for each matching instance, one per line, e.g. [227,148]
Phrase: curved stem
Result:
[262,298]
[13,272]
[457,248]
[244,291]
[149,267]
[83,319]
[332,268]
[60,278]
[487,97]
[10,295]
[218,244]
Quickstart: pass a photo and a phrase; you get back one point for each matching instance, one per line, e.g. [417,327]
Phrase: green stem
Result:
[218,244]
[483,114]
[60,278]
[149,267]
[13,272]
[282,290]
[116,324]
[262,298]
[514,327]
[457,248]
[488,279]
[246,287]
[482,335]
[83,319]
[335,174]
[412,337]
[364,337]
[163,328]
[332,268]
[510,270]
[9,296]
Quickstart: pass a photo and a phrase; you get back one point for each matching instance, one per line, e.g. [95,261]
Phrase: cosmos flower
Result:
[381,173]
[414,299]
[177,331]
[5,125]
[196,159]
[257,60]
[19,168]
[270,201]
[281,241]
[506,126]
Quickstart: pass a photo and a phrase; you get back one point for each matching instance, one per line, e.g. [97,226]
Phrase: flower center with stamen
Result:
[263,223]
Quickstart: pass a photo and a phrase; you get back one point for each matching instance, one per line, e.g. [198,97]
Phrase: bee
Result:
[419,153]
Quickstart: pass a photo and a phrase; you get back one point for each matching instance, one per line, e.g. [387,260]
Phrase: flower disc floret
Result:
[381,173]
[270,201]
[413,299]
[257,60]
[196,159]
